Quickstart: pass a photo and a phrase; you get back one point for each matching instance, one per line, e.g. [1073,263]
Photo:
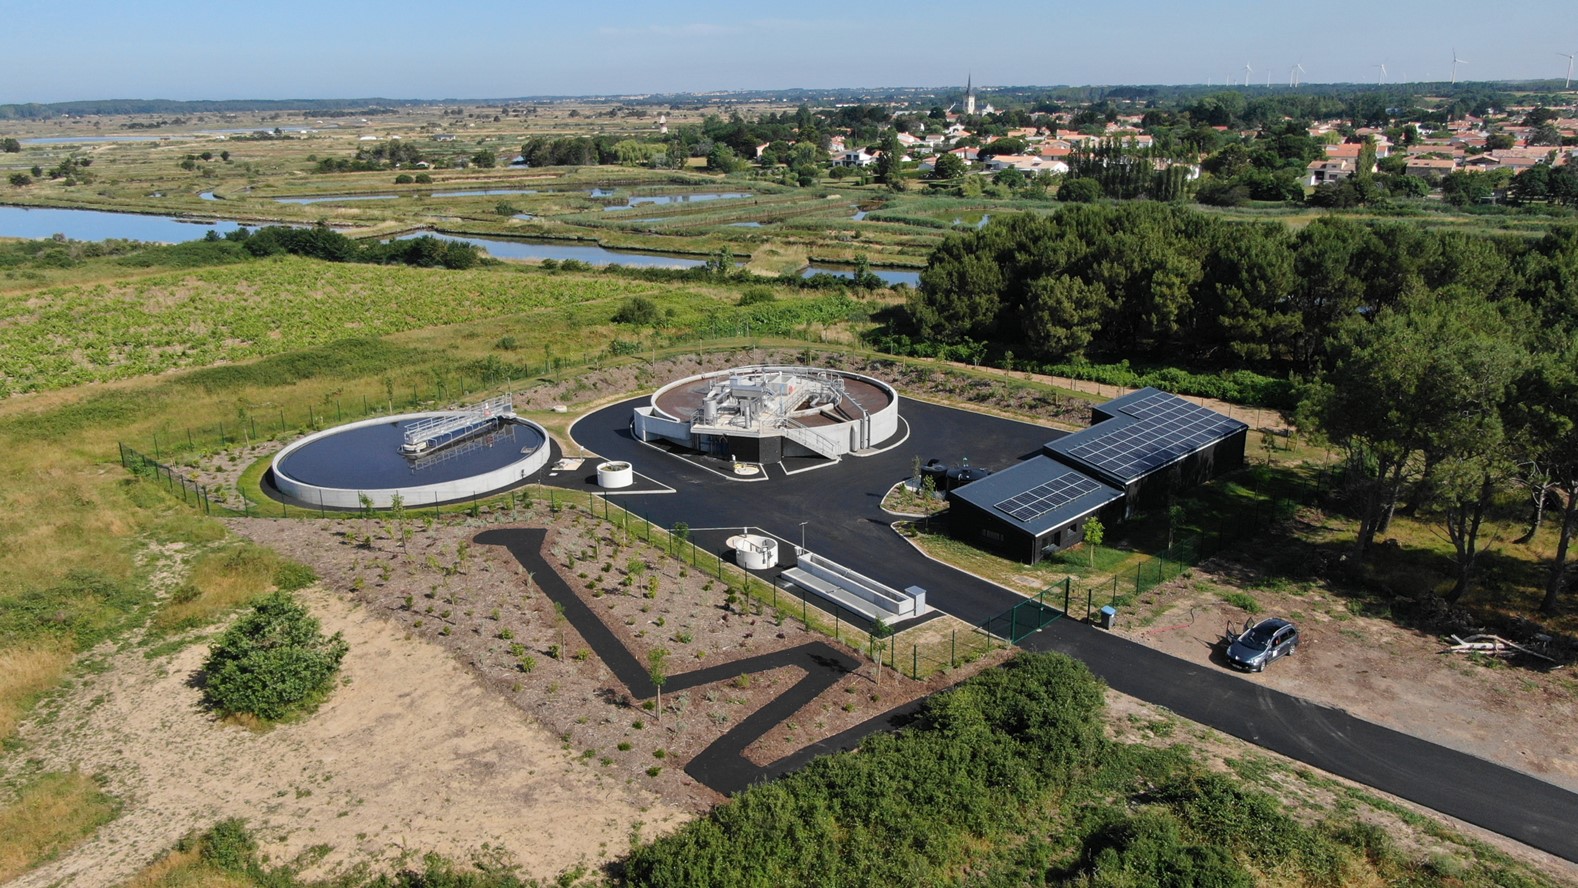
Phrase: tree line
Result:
[1444,365]
[321,242]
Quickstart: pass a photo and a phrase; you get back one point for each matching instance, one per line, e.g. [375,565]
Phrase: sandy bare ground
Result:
[1375,669]
[411,754]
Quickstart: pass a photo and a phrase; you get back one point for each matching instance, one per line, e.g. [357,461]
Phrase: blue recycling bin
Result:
[1109,615]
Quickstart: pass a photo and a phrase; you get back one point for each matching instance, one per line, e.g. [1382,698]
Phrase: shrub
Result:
[291,576]
[1150,850]
[637,310]
[1242,600]
[275,661]
[756,296]
[229,847]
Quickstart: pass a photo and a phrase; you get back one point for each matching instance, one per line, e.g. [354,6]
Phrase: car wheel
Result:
[1261,666]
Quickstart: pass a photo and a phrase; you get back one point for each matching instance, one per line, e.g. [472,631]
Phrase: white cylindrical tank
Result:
[754,551]
[613,475]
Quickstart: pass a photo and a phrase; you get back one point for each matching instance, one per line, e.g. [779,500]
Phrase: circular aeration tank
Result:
[337,468]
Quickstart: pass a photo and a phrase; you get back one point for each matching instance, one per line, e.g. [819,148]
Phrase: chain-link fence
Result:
[191,492]
[916,652]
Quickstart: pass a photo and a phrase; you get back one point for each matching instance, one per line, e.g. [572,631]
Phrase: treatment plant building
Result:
[1140,450]
[769,414]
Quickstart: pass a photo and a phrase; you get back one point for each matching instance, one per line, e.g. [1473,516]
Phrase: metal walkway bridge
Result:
[428,434]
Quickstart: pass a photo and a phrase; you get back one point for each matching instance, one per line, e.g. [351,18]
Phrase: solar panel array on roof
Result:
[1166,428]
[1043,498]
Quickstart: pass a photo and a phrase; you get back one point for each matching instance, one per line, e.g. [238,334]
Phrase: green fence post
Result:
[914,661]
[953,648]
[1013,624]
[835,622]
[803,618]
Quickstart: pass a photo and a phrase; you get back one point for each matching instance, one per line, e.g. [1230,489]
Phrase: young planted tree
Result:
[558,625]
[367,515]
[1095,532]
[401,519]
[881,635]
[657,670]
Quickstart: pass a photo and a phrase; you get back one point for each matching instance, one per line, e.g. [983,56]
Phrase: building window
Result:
[992,535]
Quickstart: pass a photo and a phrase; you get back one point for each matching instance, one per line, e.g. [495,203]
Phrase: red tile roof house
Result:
[1516,159]
[1430,167]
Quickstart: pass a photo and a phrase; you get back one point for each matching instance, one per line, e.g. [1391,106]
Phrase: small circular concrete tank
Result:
[754,551]
[614,475]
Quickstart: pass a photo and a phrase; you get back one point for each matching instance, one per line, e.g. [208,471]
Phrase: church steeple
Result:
[969,94]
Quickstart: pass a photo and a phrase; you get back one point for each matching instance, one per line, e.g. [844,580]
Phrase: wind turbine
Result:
[1569,57]
[1455,62]
[1382,78]
[1247,71]
[1293,74]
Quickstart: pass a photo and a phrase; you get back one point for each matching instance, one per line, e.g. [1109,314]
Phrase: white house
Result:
[856,158]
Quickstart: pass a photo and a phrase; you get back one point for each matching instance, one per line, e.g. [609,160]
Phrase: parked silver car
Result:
[1254,648]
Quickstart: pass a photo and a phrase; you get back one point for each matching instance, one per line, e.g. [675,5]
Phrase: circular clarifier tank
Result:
[338,467]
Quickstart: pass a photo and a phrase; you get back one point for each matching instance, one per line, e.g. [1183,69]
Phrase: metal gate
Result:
[1032,614]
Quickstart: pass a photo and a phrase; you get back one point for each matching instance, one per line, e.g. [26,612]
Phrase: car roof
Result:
[1273,623]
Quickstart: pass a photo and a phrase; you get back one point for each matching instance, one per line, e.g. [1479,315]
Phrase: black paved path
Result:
[842,503]
[846,524]
[1509,802]
[722,765]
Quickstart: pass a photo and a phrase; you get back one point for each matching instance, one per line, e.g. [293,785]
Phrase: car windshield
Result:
[1259,637]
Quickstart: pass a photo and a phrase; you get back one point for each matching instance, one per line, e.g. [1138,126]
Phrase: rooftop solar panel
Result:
[1166,428]
[1043,498]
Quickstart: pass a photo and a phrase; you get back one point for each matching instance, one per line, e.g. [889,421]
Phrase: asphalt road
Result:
[841,505]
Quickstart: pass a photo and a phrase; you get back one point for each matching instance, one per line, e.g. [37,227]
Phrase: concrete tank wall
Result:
[416,495]
[840,439]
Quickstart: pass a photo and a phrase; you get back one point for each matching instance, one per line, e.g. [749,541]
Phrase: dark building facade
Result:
[1139,451]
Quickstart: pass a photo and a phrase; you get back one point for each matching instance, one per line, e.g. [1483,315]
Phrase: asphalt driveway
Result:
[840,506]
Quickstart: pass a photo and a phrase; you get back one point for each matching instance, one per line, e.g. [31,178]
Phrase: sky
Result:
[284,49]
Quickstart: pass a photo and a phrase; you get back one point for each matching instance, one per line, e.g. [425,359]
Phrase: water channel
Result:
[98,225]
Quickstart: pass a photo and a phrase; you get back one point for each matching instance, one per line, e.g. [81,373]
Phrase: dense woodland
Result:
[1441,364]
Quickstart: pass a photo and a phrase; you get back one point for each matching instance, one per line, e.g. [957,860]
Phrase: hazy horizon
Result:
[400,49]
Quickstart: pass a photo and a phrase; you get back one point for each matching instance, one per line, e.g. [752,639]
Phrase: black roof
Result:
[1147,430]
[1037,495]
